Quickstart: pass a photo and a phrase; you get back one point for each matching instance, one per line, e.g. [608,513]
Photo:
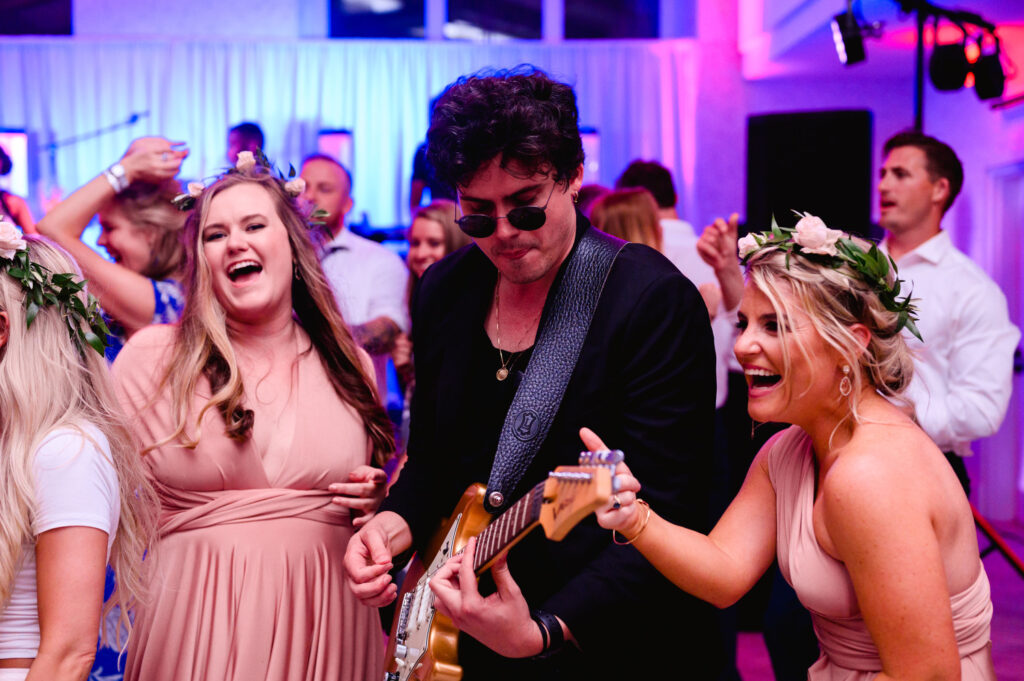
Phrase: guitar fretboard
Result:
[510,525]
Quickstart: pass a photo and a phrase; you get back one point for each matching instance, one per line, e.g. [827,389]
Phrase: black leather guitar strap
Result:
[558,346]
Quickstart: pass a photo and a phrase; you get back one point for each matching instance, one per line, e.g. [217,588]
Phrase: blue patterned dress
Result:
[170,299]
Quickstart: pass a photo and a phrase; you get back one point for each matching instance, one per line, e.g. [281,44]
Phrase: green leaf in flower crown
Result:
[912,328]
[31,310]
[94,341]
[871,265]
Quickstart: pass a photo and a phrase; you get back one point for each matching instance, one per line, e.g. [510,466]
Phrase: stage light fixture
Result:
[846,32]
[989,79]
[948,66]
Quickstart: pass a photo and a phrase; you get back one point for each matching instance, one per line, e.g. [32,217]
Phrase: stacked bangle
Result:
[643,525]
[551,633]
[116,177]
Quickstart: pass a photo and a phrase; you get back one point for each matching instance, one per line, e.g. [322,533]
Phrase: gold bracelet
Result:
[643,525]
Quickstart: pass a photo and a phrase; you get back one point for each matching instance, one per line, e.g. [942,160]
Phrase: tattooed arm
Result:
[377,336]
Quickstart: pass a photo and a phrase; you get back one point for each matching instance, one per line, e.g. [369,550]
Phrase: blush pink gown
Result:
[246,579]
[824,587]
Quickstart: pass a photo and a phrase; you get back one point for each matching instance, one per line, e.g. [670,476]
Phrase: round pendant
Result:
[501,374]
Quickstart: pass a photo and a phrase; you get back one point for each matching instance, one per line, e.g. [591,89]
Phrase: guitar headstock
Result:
[573,492]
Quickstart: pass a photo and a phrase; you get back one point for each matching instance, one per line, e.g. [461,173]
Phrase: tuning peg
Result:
[601,457]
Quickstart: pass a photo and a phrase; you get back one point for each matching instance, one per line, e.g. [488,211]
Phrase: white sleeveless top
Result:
[76,486]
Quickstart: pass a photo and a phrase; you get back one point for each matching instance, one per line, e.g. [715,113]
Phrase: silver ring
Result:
[163,156]
[615,502]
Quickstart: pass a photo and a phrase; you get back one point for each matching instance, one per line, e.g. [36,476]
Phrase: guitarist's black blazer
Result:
[645,382]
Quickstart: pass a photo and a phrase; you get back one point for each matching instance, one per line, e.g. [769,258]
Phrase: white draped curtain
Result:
[996,247]
[640,96]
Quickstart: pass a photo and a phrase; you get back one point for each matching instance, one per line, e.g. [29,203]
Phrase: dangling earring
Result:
[575,197]
[845,384]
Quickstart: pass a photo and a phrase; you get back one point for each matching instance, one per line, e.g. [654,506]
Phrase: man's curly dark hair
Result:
[519,115]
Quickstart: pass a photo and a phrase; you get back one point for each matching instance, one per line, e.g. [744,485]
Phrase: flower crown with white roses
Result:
[812,239]
[247,160]
[44,288]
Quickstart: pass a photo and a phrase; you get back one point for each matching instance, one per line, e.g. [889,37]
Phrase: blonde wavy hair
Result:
[630,214]
[149,209]
[202,346]
[442,211]
[46,382]
[834,299]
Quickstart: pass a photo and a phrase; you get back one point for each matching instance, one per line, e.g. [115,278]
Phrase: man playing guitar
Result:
[582,608]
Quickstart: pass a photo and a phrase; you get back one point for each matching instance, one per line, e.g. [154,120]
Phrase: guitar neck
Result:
[508,528]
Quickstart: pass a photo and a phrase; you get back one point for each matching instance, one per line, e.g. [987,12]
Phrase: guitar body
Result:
[424,643]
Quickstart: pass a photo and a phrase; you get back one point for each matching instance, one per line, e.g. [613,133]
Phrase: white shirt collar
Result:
[931,251]
[340,242]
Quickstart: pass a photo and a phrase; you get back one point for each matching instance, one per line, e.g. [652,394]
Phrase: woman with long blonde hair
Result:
[264,435]
[73,493]
[866,517]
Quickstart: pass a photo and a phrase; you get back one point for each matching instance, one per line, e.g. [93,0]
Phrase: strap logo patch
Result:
[526,425]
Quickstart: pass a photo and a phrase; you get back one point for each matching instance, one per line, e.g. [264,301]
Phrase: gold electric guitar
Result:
[424,643]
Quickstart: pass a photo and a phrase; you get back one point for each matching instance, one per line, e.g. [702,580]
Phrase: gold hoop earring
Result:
[576,197]
[845,384]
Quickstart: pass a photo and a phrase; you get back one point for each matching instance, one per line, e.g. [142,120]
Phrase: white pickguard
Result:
[416,613]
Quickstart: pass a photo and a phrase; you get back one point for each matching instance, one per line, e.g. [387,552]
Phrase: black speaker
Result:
[817,162]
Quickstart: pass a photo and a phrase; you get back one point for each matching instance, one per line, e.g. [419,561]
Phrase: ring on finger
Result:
[615,502]
[163,156]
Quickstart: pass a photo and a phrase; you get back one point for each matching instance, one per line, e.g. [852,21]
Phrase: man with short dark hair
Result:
[245,136]
[582,608]
[963,369]
[368,280]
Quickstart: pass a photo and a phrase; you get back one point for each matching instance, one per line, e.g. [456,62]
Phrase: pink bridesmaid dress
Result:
[246,577]
[824,587]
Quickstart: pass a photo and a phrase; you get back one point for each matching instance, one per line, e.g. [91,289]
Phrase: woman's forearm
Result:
[62,666]
[691,560]
[68,219]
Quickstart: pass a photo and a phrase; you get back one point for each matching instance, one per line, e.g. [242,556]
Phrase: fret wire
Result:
[495,539]
[509,525]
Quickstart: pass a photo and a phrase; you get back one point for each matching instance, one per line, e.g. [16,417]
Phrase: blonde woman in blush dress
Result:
[867,518]
[264,436]
[73,493]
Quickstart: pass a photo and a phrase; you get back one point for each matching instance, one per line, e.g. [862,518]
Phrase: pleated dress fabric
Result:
[246,577]
[824,587]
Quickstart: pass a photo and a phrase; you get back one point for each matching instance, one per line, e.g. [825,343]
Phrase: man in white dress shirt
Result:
[963,369]
[368,280]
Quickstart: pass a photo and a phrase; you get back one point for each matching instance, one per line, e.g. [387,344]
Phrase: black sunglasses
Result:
[525,218]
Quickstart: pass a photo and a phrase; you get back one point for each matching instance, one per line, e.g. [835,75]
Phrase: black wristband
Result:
[551,633]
